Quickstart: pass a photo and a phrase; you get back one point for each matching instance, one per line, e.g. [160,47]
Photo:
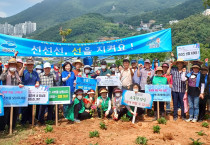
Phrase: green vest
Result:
[77,101]
[104,104]
[159,80]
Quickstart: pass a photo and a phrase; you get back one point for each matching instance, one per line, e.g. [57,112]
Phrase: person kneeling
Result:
[79,108]
[104,104]
[119,109]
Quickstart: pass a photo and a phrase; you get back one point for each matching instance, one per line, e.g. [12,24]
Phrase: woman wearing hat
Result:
[10,77]
[78,65]
[196,86]
[89,100]
[104,104]
[86,73]
[119,109]
[159,79]
[80,113]
[203,102]
[179,86]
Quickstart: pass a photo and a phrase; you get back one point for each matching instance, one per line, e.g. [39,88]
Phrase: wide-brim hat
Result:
[204,68]
[196,66]
[12,60]
[103,90]
[79,91]
[159,69]
[29,61]
[117,91]
[91,92]
[77,61]
[165,64]
[196,62]
[180,60]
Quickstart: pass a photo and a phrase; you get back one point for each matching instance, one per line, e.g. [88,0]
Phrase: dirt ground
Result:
[119,133]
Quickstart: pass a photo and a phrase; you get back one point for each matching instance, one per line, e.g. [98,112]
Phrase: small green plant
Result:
[150,113]
[205,124]
[124,118]
[156,129]
[50,122]
[162,120]
[93,144]
[49,141]
[103,126]
[93,134]
[201,133]
[48,128]
[196,142]
[141,140]
[206,117]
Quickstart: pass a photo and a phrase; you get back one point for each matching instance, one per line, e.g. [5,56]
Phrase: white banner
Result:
[38,95]
[188,52]
[108,81]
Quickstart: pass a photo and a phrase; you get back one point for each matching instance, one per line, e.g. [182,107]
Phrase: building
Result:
[206,12]
[19,29]
[173,22]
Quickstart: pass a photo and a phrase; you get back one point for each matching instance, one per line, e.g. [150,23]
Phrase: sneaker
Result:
[76,120]
[194,120]
[188,120]
[175,119]
[184,119]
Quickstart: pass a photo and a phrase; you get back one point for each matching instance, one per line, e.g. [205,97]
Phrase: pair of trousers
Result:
[26,114]
[178,97]
[194,106]
[82,116]
[202,108]
[42,112]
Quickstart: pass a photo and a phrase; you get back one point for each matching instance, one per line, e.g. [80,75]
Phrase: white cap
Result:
[47,64]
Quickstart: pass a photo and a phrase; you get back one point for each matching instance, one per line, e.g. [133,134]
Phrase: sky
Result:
[12,7]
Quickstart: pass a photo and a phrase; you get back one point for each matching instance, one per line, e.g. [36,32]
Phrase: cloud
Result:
[3,14]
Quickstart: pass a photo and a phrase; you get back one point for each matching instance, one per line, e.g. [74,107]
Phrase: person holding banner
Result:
[78,65]
[89,100]
[68,78]
[47,79]
[126,75]
[159,79]
[104,104]
[80,113]
[119,109]
[29,78]
[196,86]
[10,77]
[146,74]
[179,86]
[130,109]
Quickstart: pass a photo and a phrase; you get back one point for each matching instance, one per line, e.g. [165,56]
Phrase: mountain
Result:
[178,12]
[86,27]
[51,12]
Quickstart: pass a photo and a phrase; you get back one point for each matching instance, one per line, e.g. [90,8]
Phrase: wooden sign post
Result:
[11,120]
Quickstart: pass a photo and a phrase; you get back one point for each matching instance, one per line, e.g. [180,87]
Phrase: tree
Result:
[64,33]
[206,3]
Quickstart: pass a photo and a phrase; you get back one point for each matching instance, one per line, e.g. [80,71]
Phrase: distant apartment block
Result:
[173,22]
[19,29]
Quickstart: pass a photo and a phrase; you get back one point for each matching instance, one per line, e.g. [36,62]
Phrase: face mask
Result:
[103,66]
[135,90]
[12,69]
[79,97]
[38,71]
[113,69]
[87,71]
[117,94]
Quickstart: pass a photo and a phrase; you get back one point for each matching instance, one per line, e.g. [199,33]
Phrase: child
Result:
[89,100]
[79,108]
[104,103]
[136,88]
[119,110]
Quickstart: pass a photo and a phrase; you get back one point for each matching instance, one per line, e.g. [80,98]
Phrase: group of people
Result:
[186,83]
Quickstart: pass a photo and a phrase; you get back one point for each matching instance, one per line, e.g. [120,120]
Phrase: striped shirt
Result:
[178,84]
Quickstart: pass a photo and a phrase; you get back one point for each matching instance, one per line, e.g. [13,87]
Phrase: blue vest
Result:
[197,78]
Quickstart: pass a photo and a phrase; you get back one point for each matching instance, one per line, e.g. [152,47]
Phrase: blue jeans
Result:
[194,106]
[178,97]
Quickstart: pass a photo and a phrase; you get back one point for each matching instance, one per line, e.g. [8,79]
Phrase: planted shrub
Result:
[141,140]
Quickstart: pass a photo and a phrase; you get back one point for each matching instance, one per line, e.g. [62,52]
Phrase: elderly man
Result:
[126,77]
[146,74]
[29,78]
[47,79]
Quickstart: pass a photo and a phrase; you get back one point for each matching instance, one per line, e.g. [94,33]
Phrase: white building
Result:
[206,12]
[173,22]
